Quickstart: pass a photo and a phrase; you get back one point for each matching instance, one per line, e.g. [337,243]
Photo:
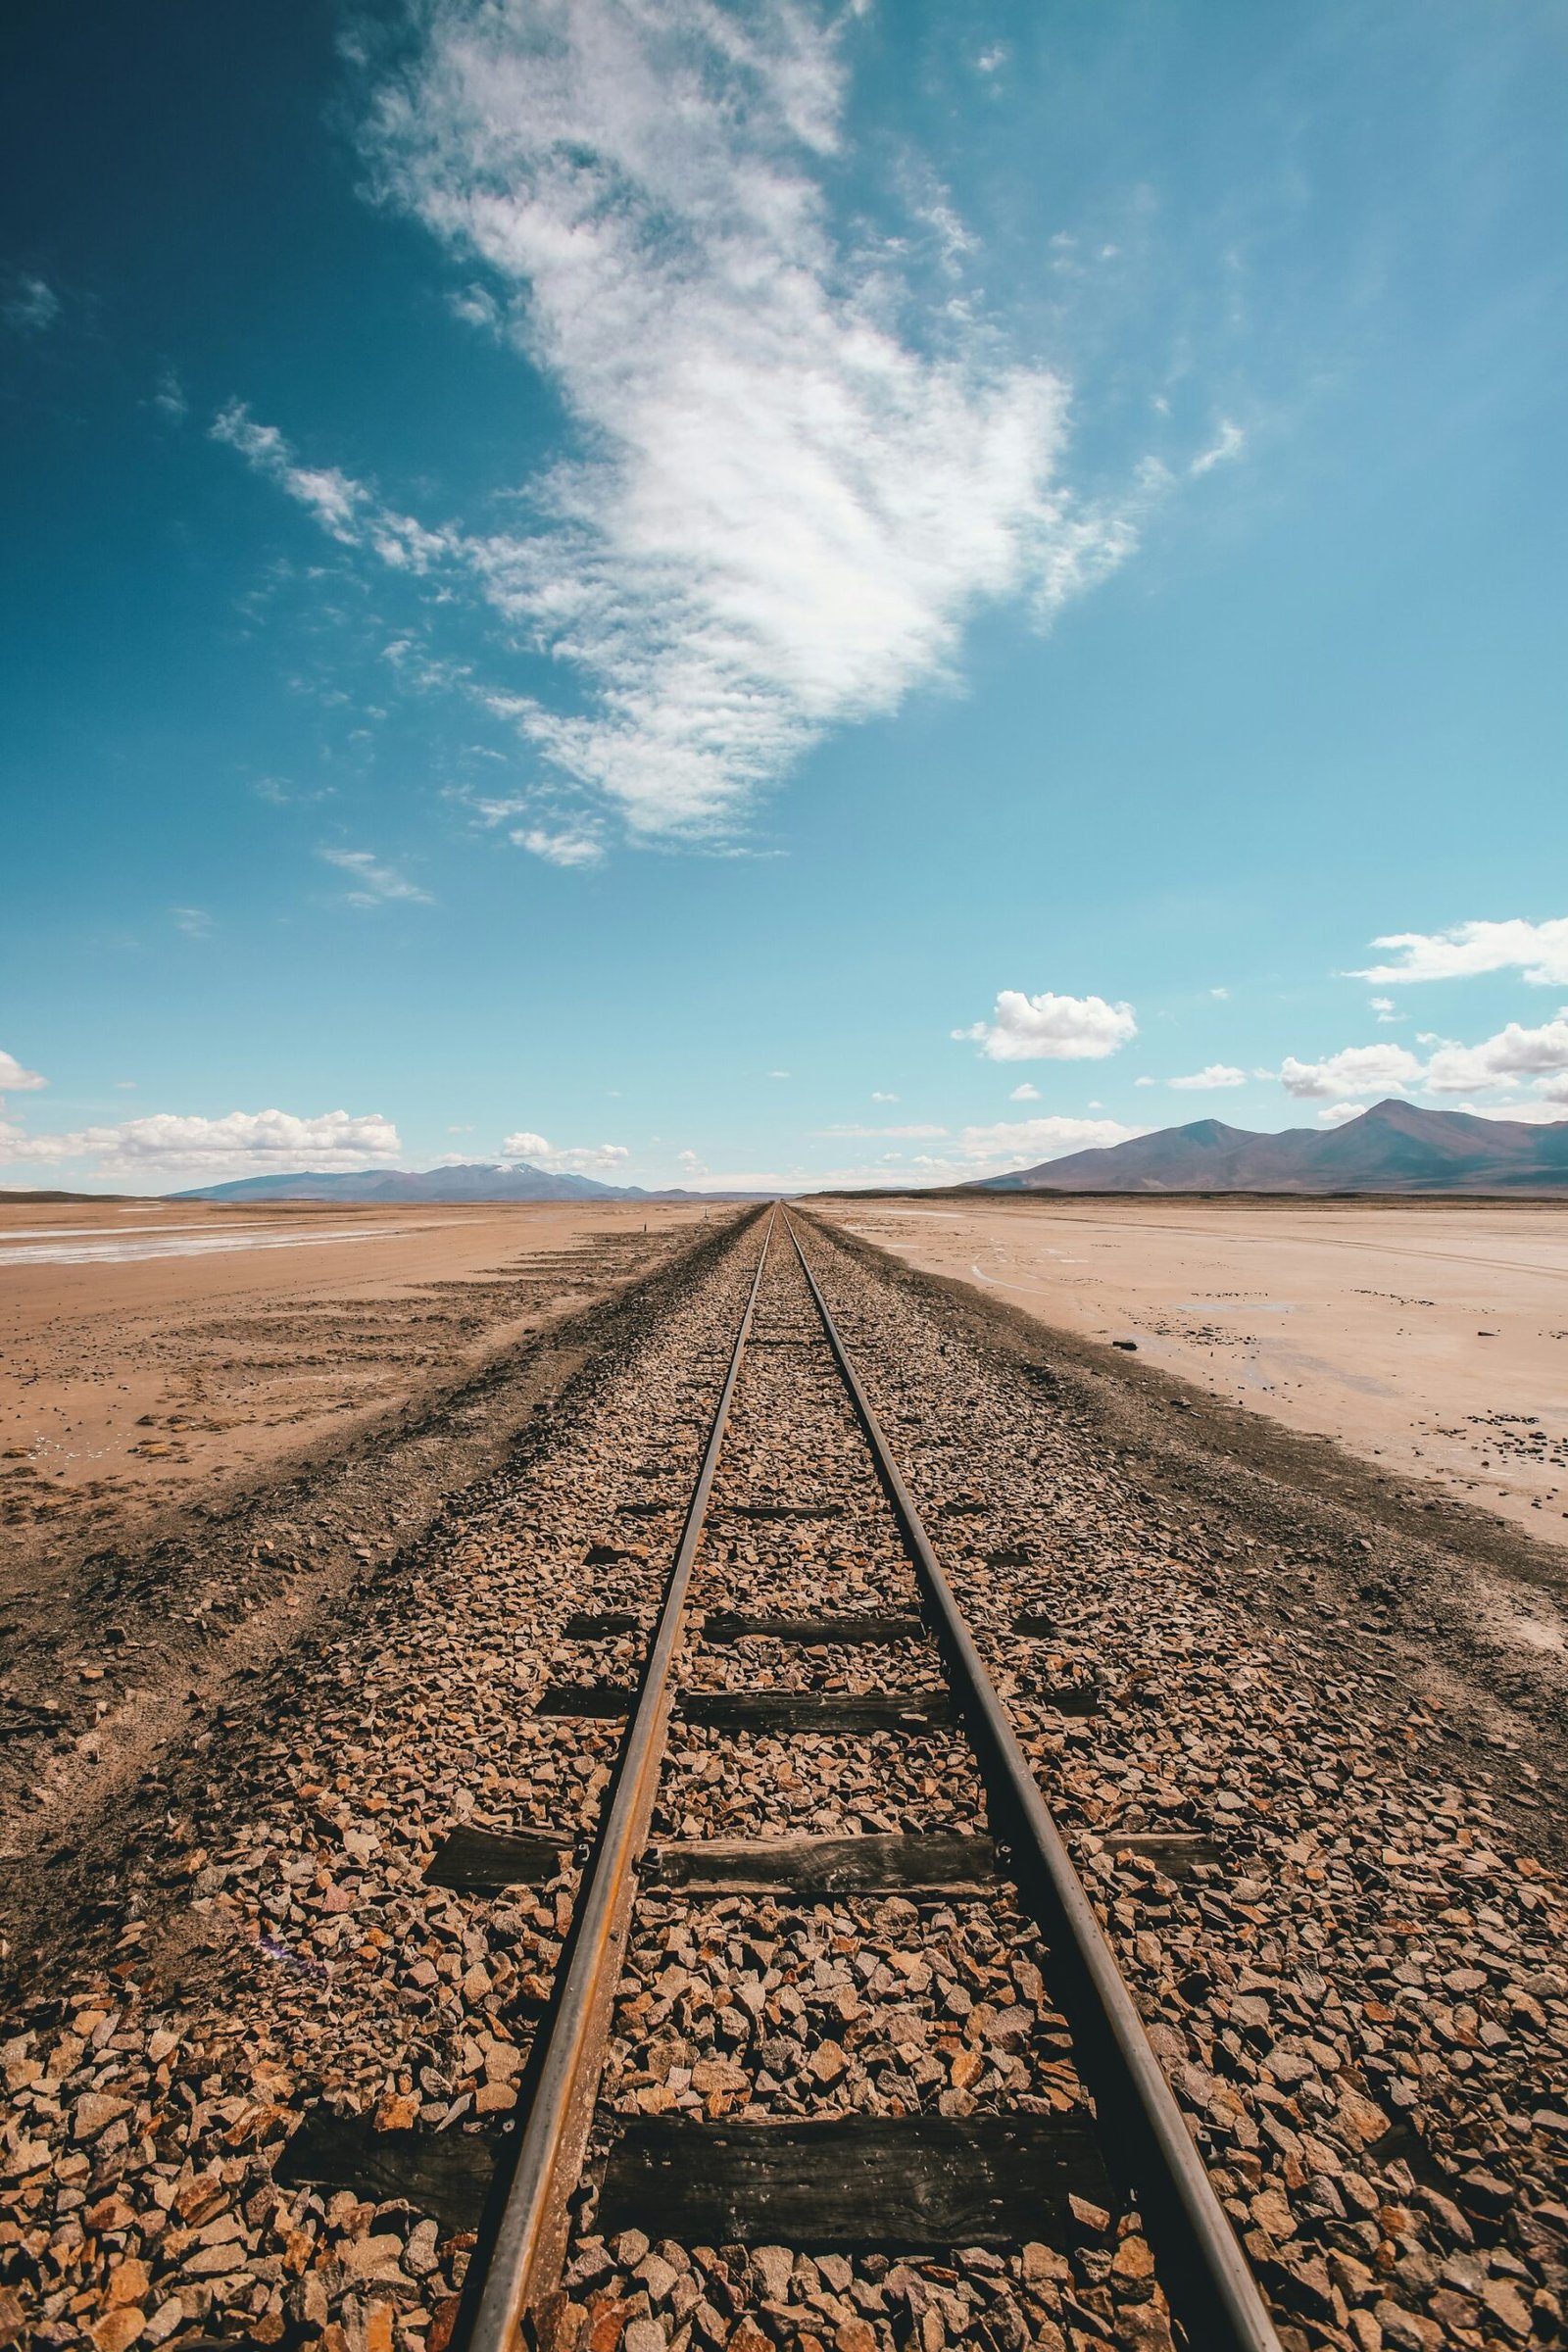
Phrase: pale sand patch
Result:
[1357,1321]
[228,1337]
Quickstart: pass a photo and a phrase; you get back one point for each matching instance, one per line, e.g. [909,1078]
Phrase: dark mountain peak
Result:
[1393,1147]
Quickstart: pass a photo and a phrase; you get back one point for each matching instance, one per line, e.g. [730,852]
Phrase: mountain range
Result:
[467,1181]
[1393,1147]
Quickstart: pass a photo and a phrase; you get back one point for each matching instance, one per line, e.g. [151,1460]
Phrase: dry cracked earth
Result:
[1315,1810]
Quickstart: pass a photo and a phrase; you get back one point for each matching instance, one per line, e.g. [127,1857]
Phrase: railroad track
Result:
[910,2184]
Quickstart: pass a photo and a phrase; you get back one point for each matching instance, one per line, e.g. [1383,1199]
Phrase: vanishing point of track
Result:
[515,2289]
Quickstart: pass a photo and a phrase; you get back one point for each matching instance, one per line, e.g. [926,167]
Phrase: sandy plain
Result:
[1431,1337]
[150,1349]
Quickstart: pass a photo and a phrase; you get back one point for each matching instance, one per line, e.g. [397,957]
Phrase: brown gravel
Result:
[1361,1999]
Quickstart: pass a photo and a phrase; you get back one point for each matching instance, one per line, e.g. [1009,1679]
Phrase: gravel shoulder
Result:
[1346,1940]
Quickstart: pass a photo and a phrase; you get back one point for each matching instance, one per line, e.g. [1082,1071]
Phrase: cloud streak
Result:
[1539,951]
[784,500]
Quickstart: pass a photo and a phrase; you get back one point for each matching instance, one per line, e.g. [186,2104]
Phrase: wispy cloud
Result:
[194,921]
[566,845]
[169,398]
[1539,951]
[31,307]
[1217,1073]
[790,487]
[1228,442]
[344,508]
[1051,1028]
[905,1134]
[982,1151]
[376,884]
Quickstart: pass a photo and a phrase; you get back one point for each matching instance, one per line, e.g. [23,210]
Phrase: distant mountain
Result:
[1393,1147]
[469,1181]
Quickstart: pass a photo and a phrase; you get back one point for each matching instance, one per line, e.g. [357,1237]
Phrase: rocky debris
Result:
[1361,2002]
[1364,2008]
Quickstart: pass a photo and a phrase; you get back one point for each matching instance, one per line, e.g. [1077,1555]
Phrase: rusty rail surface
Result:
[1145,2143]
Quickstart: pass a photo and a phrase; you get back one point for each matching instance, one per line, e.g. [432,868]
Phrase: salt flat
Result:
[149,1349]
[1430,1337]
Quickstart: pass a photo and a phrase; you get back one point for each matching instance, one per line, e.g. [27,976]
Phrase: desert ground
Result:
[152,1349]
[1429,1337]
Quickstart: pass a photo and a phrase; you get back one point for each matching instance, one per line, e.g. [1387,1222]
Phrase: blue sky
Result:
[775,593]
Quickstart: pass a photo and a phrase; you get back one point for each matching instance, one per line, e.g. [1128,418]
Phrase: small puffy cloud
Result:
[243,1143]
[15,1080]
[376,884]
[878,1096]
[568,845]
[1024,1093]
[1384,1007]
[1515,1053]
[1339,1115]
[1356,1070]
[1539,951]
[1201,1082]
[1051,1028]
[31,307]
[575,1160]
[1220,993]
[778,1073]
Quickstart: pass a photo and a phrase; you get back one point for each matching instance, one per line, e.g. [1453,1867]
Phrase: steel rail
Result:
[1200,2265]
[525,2260]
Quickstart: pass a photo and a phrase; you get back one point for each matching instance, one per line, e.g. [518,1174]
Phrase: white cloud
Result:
[1384,1007]
[568,845]
[1538,949]
[881,1097]
[782,512]
[194,921]
[32,307]
[1339,1115]
[1217,1073]
[1514,1052]
[170,400]
[15,1080]
[376,884]
[1228,442]
[983,1150]
[577,1159]
[1356,1070]
[244,1143]
[778,1073]
[1049,1028]
[1549,1111]
[1220,993]
[1024,1093]
[344,508]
